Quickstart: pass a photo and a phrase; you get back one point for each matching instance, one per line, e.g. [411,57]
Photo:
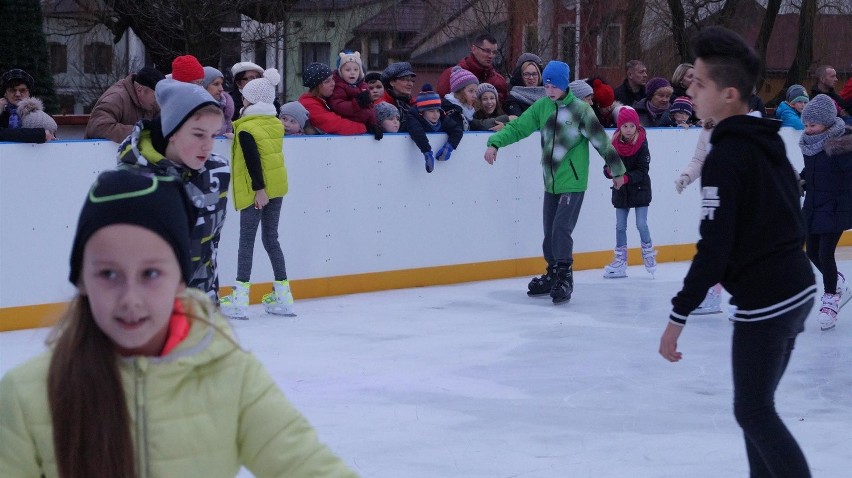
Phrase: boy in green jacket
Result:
[567,126]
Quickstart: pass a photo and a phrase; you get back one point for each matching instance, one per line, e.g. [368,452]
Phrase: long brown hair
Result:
[91,423]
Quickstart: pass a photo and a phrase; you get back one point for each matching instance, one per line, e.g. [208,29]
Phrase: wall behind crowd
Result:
[361,215]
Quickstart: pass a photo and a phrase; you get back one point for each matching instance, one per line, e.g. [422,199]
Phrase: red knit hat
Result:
[604,95]
[187,68]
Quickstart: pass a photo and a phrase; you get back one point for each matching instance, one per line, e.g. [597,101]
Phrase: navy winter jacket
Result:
[828,185]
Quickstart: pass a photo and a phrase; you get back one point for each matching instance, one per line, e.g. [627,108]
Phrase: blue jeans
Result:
[759,356]
[641,225]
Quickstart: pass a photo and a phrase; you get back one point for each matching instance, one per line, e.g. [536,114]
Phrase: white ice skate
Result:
[280,300]
[649,257]
[843,290]
[618,267]
[712,303]
[235,305]
[828,312]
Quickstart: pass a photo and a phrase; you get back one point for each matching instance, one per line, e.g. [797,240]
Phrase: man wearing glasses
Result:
[480,62]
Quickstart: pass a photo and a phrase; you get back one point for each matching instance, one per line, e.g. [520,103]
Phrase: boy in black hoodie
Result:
[752,233]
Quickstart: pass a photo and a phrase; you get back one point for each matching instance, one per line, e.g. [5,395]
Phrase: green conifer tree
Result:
[23,45]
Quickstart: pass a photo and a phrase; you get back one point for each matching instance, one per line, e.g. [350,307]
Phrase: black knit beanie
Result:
[157,203]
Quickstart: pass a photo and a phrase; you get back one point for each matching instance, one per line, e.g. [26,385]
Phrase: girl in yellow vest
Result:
[259,180]
[143,377]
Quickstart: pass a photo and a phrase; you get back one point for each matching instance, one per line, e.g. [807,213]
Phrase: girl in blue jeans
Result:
[631,143]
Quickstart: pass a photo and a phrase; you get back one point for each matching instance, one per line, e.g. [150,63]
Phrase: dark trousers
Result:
[759,356]
[820,251]
[267,218]
[561,212]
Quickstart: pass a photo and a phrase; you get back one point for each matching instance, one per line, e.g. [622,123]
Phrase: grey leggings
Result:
[267,218]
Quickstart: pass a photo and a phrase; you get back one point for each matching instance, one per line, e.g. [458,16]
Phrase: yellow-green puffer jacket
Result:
[268,133]
[203,410]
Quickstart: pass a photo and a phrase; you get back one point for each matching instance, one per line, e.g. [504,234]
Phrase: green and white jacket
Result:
[567,128]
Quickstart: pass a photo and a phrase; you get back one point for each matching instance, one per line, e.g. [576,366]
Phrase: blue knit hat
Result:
[556,73]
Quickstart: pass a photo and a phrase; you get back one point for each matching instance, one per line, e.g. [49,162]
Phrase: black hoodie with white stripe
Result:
[752,231]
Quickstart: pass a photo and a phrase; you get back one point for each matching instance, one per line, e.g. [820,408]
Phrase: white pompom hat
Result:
[262,90]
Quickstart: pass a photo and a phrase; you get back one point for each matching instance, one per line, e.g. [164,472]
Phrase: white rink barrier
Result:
[356,207]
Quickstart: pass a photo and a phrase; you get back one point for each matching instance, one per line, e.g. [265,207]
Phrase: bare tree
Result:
[679,27]
[168,28]
[762,42]
[633,18]
[804,46]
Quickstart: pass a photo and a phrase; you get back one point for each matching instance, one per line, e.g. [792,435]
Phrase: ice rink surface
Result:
[477,380]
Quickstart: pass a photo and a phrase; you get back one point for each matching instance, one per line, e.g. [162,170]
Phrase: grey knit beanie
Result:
[210,75]
[178,101]
[385,111]
[295,110]
[525,57]
[797,93]
[820,110]
[581,89]
[485,88]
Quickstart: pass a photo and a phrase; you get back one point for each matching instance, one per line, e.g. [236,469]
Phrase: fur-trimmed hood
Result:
[841,144]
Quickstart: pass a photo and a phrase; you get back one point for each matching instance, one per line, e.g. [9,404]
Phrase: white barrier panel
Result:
[355,206]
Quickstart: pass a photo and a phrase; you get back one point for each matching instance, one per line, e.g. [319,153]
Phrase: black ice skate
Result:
[542,285]
[564,285]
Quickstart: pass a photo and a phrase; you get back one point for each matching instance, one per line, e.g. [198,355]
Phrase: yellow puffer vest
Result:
[268,133]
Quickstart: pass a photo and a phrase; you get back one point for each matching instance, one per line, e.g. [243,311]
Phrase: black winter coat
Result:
[637,191]
[828,185]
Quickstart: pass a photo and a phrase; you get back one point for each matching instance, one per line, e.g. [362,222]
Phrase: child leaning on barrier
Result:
[489,115]
[428,117]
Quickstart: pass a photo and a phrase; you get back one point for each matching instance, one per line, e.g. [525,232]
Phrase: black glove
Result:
[376,131]
[364,99]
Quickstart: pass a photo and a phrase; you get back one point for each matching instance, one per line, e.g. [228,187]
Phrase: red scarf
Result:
[629,148]
[178,329]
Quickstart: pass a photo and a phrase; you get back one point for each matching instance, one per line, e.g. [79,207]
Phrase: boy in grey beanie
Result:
[180,144]
[294,117]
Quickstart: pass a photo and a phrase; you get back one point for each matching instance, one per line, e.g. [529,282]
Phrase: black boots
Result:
[542,285]
[563,286]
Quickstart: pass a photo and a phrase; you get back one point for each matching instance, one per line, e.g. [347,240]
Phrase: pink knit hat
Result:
[459,78]
[627,114]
